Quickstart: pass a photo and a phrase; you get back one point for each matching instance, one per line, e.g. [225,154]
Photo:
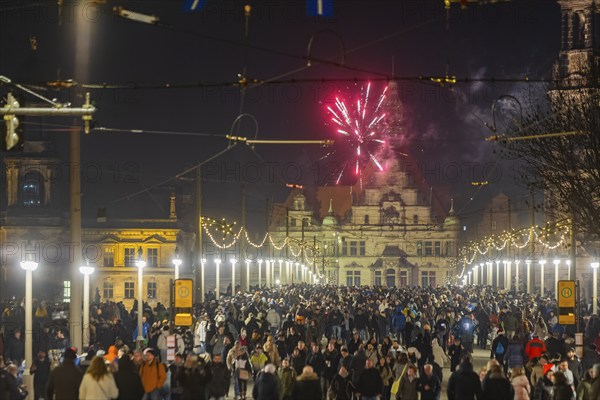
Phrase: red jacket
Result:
[534,348]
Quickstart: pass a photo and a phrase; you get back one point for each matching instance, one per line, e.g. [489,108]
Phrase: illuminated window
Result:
[152,290]
[109,257]
[107,290]
[153,257]
[437,249]
[353,249]
[427,278]
[420,248]
[129,290]
[377,278]
[66,291]
[130,257]
[352,278]
[362,248]
[428,248]
[32,189]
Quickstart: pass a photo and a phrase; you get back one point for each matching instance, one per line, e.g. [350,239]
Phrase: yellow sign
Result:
[566,294]
[183,293]
[567,319]
[183,319]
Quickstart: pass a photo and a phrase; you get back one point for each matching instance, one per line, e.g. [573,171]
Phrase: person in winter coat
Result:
[128,381]
[112,354]
[520,384]
[217,387]
[455,351]
[64,380]
[584,389]
[161,343]
[40,368]
[387,377]
[496,386]
[562,390]
[535,347]
[307,386]
[287,380]
[98,383]
[271,351]
[15,348]
[266,386]
[153,374]
[194,378]
[544,387]
[341,387]
[242,371]
[514,354]
[429,384]
[438,354]
[464,383]
[316,360]
[274,320]
[9,386]
[499,347]
[407,389]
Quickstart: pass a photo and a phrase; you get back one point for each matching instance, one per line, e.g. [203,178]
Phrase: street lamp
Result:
[556,263]
[542,263]
[259,273]
[280,276]
[569,269]
[508,281]
[86,271]
[481,274]
[497,274]
[517,275]
[202,263]
[247,275]
[268,272]
[296,274]
[470,280]
[303,273]
[177,262]
[140,264]
[528,263]
[233,260]
[29,266]
[490,274]
[217,289]
[595,266]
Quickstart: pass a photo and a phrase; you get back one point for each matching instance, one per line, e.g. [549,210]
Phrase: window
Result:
[353,249]
[427,278]
[109,257]
[390,277]
[66,291]
[448,250]
[437,249]
[420,248]
[32,189]
[403,278]
[151,290]
[153,257]
[362,249]
[107,290]
[493,225]
[352,278]
[130,257]
[344,248]
[377,278]
[428,249]
[416,219]
[293,222]
[129,290]
[366,219]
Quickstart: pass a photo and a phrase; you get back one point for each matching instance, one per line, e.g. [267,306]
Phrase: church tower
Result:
[578,60]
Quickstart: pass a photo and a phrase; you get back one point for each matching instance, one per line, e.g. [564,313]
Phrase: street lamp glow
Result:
[86,270]
[29,265]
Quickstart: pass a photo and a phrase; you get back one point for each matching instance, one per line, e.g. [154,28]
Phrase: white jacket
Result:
[104,389]
[273,318]
[200,333]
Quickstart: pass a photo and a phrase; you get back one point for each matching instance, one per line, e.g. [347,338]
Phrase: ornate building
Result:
[34,224]
[383,233]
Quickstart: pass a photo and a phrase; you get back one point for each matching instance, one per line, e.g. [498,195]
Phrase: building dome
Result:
[329,219]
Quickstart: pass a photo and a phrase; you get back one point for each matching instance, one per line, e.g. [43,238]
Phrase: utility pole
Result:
[75,318]
[200,290]
[243,256]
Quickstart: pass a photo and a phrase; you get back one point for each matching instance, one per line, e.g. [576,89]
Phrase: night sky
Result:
[443,126]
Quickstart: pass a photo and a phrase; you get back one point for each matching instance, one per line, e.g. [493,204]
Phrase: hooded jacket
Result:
[308,387]
[464,384]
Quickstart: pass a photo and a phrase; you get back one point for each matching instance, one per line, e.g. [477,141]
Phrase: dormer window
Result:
[32,190]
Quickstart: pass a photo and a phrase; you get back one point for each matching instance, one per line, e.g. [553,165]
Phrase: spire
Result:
[330,217]
[451,212]
[330,212]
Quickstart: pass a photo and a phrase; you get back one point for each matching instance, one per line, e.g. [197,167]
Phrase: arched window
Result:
[390,277]
[32,189]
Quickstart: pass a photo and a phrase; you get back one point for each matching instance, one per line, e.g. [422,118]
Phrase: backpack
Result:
[500,349]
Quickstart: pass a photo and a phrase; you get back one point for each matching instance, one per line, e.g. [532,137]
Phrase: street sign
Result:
[183,293]
[566,302]
[183,319]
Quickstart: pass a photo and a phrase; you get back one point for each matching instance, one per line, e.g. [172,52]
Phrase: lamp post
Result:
[528,263]
[260,273]
[268,272]
[202,264]
[140,264]
[470,280]
[556,264]
[29,266]
[248,276]
[233,261]
[517,274]
[595,266]
[303,273]
[489,273]
[569,269]
[542,263]
[86,271]
[481,274]
[176,262]
[296,274]
[497,274]
[217,283]
[280,261]
[508,282]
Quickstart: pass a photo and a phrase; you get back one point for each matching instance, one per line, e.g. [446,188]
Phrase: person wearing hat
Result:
[545,385]
[64,380]
[153,375]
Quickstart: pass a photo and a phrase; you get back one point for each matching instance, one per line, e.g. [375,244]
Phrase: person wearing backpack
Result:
[153,374]
[499,347]
[194,378]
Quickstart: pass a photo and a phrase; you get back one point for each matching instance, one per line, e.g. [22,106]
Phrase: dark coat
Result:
[317,361]
[562,392]
[307,387]
[15,350]
[497,387]
[464,384]
[12,389]
[341,388]
[128,381]
[265,387]
[41,372]
[369,383]
[64,382]
[217,386]
[193,382]
[434,387]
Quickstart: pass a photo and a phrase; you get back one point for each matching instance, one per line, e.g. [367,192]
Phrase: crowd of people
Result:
[310,342]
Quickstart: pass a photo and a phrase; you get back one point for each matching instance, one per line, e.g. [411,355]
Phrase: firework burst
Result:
[360,125]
